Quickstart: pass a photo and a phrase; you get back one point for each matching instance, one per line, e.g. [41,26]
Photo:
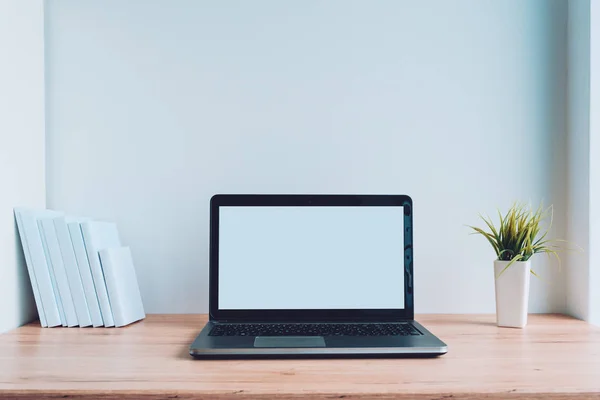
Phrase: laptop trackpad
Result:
[289,341]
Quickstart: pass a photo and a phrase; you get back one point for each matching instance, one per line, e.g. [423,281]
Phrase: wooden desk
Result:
[555,357]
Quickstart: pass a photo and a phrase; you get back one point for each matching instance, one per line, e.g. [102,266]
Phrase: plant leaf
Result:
[489,237]
[521,234]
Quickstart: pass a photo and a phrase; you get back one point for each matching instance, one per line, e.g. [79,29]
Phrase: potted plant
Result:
[515,240]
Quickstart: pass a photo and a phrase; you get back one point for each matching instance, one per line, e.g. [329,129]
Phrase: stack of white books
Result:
[80,273]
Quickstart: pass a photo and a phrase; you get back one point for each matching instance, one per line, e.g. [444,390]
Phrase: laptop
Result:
[312,275]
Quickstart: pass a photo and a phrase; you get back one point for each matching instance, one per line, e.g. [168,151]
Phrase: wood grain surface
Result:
[555,357]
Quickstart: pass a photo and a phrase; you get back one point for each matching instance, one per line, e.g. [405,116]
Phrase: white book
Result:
[122,285]
[26,219]
[99,235]
[61,311]
[85,272]
[57,266]
[72,271]
[28,261]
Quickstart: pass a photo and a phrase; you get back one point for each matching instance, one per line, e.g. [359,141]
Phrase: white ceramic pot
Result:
[512,293]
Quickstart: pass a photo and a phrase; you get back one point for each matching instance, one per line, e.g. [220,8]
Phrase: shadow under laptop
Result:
[311,356]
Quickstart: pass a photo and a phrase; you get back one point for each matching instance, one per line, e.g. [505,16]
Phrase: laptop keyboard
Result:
[299,329]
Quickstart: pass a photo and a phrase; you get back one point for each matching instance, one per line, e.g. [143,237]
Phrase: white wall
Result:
[152,108]
[22,141]
[594,282]
[578,156]
[583,227]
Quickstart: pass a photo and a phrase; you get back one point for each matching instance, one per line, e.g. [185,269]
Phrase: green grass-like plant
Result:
[519,235]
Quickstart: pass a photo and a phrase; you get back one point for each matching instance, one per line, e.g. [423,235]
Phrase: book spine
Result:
[98,276]
[85,272]
[109,265]
[41,270]
[72,272]
[60,273]
[34,284]
[61,311]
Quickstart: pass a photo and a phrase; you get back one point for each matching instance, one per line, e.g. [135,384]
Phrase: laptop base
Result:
[237,347]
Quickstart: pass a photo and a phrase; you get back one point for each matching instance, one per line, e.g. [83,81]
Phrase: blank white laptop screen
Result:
[311,258]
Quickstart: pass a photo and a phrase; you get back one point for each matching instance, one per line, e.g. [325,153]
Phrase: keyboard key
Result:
[372,329]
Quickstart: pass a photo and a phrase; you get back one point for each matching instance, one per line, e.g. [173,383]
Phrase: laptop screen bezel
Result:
[313,315]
